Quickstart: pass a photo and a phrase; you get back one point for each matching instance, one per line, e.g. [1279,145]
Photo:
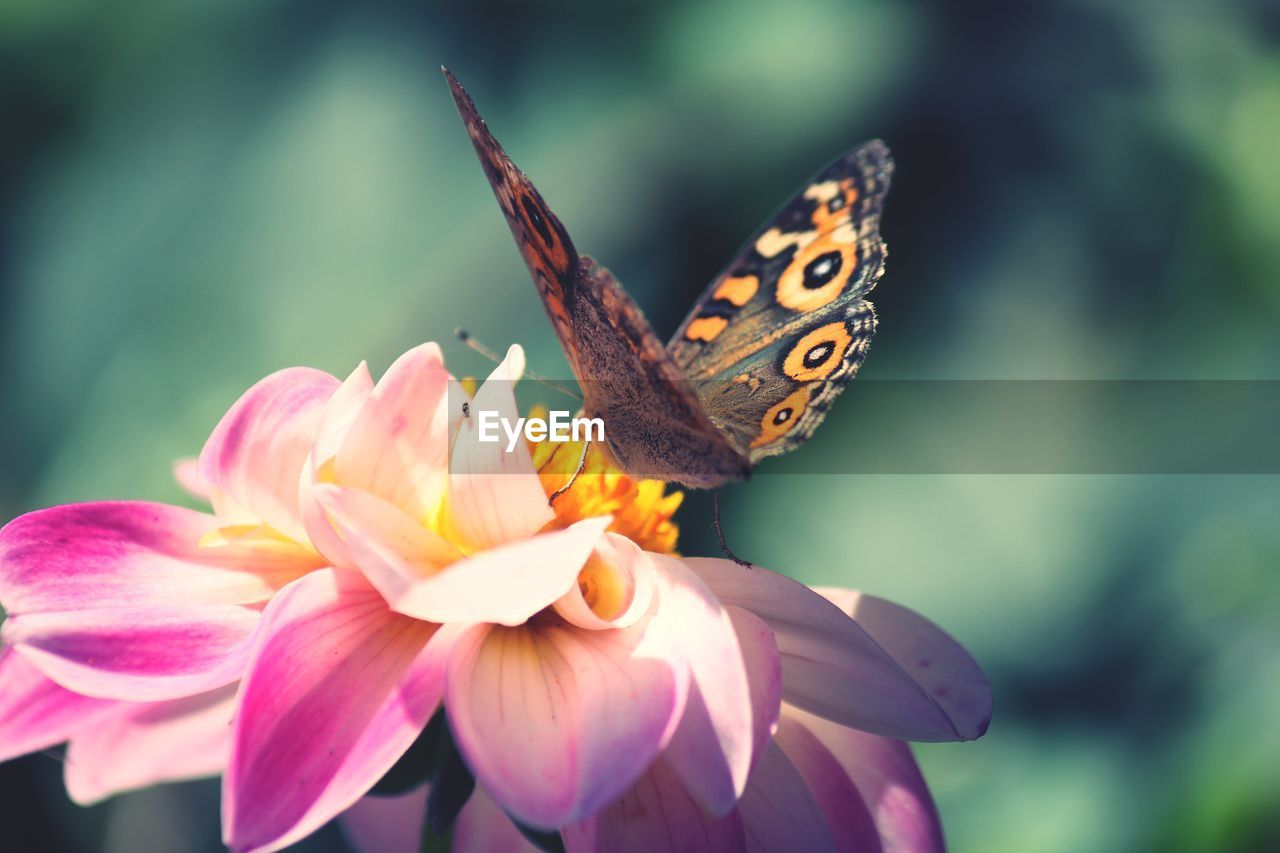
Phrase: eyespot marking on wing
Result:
[818,353]
[782,417]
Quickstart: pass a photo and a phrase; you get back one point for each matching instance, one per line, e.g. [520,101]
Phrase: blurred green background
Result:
[196,194]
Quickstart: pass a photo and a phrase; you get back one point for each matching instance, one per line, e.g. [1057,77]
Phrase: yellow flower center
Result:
[641,509]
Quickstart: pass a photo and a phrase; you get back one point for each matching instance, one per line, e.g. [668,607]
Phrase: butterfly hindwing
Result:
[779,333]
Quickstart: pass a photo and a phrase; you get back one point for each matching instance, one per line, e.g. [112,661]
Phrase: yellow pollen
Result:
[642,510]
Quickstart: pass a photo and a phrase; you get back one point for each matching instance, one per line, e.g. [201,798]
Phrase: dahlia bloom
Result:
[369,560]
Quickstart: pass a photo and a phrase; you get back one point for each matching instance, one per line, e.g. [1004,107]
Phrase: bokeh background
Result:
[196,194]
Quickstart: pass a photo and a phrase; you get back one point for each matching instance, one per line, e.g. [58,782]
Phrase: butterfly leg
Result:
[724,546]
[582,463]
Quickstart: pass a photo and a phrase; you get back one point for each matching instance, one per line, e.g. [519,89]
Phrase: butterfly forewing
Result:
[542,239]
[778,334]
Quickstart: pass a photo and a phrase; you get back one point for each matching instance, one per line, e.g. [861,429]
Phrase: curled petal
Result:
[888,780]
[337,689]
[614,588]
[657,813]
[712,749]
[495,497]
[256,454]
[830,664]
[397,445]
[414,568]
[927,653]
[556,722]
[142,744]
[36,712]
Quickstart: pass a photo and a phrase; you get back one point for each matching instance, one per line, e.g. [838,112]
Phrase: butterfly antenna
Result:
[724,546]
[466,337]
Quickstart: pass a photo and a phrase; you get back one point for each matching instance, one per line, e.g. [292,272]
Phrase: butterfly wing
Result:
[543,241]
[654,420]
[778,334]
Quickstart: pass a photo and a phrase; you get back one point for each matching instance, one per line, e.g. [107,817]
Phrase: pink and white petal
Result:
[37,712]
[777,810]
[830,665]
[328,661]
[495,497]
[186,471]
[393,550]
[658,813]
[256,454]
[404,561]
[131,554]
[557,722]
[393,730]
[764,675]
[712,749]
[847,817]
[927,653]
[339,414]
[137,654]
[143,744]
[483,827]
[507,584]
[397,446]
[889,781]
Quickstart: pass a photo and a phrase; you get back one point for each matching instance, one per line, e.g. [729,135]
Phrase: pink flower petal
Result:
[132,554]
[142,744]
[495,497]
[411,566]
[36,712]
[556,721]
[830,665]
[483,827]
[137,654]
[397,446]
[387,824]
[657,813]
[187,472]
[888,780]
[619,578]
[256,454]
[832,790]
[335,422]
[777,810]
[764,675]
[712,749]
[395,825]
[337,689]
[928,654]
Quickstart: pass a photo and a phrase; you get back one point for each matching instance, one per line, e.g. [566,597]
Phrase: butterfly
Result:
[755,366]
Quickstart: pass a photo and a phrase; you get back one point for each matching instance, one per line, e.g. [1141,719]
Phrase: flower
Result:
[128,624]
[370,560]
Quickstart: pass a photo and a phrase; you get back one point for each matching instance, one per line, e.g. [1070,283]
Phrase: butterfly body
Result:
[754,367]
